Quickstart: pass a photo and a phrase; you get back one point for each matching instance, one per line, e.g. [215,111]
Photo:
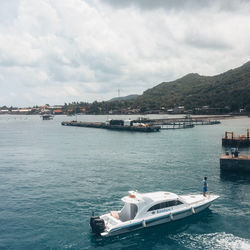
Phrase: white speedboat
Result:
[149,209]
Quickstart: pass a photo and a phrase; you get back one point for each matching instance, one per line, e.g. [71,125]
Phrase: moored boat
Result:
[142,210]
[47,116]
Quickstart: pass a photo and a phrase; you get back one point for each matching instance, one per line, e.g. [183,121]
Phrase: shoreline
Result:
[145,115]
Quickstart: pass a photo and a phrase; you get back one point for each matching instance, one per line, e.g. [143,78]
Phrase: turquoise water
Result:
[52,177]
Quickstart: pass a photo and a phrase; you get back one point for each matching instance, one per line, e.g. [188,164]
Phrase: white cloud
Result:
[61,51]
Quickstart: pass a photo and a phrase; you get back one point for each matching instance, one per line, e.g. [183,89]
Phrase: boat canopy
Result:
[128,212]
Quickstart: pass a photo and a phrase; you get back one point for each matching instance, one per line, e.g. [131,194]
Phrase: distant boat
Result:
[149,209]
[47,117]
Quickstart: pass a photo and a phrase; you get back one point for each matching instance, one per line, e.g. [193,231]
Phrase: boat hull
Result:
[149,222]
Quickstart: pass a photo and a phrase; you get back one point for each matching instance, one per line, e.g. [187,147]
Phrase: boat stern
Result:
[97,224]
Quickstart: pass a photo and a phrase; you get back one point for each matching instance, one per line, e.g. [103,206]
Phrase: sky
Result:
[61,51]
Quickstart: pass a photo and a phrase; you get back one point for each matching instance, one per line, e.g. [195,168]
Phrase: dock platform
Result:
[183,121]
[235,164]
[177,126]
[229,140]
[148,128]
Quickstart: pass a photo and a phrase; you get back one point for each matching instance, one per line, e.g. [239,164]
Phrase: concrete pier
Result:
[235,164]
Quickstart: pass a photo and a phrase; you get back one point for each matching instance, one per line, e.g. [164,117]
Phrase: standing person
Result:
[204,189]
[232,152]
[236,152]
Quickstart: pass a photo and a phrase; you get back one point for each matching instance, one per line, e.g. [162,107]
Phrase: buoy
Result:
[144,223]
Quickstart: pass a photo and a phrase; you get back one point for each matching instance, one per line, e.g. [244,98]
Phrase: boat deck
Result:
[190,199]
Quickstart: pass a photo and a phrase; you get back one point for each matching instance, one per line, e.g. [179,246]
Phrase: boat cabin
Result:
[140,205]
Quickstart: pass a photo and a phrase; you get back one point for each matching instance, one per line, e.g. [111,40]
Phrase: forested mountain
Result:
[231,89]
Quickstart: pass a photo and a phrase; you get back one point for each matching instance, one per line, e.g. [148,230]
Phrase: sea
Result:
[52,178]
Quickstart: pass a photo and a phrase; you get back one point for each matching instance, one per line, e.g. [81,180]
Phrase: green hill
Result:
[123,98]
[231,89]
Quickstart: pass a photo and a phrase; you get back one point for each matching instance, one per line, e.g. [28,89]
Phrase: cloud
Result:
[169,5]
[8,11]
[62,51]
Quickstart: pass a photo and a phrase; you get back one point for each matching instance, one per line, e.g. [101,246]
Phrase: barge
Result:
[236,141]
[116,125]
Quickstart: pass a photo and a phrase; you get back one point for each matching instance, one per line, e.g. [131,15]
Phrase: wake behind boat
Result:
[149,209]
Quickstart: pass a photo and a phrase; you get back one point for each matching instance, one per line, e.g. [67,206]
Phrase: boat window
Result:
[174,203]
[155,207]
[165,204]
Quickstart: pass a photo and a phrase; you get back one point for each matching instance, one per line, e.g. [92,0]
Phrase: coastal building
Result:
[57,112]
[20,111]
[179,110]
[4,111]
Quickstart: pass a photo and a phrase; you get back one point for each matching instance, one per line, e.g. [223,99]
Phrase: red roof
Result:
[57,111]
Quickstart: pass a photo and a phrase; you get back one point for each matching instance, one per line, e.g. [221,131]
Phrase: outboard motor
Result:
[97,224]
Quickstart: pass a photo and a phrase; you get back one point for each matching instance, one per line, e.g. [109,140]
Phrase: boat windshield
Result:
[128,212]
